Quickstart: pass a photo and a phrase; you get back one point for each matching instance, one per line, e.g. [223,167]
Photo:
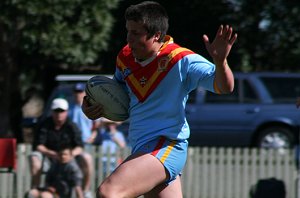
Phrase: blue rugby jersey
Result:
[159,88]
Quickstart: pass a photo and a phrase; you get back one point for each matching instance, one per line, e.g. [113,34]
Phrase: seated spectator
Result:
[87,127]
[112,141]
[48,136]
[63,179]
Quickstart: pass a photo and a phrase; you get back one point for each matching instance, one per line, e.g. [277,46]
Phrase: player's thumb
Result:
[206,41]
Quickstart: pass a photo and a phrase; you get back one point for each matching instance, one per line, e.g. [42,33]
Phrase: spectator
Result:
[49,134]
[63,178]
[112,139]
[87,126]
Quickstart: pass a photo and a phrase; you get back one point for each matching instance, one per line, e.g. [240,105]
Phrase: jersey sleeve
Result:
[198,72]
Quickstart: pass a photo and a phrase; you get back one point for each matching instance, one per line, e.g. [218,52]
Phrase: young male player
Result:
[159,75]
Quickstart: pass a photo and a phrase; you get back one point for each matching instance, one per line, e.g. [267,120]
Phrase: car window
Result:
[282,89]
[223,98]
[243,93]
[249,94]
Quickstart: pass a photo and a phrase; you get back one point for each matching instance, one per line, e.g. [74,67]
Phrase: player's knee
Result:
[105,191]
[102,191]
[98,193]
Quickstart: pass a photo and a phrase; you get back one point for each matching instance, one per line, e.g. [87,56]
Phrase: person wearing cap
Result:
[86,125]
[49,134]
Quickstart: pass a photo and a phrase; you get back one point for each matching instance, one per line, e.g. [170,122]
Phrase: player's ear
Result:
[157,36]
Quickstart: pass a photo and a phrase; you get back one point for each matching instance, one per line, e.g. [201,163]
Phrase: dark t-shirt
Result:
[68,134]
[64,177]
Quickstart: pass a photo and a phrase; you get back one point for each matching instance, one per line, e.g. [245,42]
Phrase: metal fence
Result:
[209,172]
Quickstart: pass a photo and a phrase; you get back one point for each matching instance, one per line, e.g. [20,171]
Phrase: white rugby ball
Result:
[110,95]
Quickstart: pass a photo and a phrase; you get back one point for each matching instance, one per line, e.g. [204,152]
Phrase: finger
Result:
[220,31]
[206,40]
[233,39]
[95,112]
[228,33]
[94,116]
[94,109]
[86,101]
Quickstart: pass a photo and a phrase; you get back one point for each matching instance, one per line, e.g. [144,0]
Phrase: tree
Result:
[37,35]
[269,39]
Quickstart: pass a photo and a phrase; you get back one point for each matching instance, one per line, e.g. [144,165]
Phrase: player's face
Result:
[141,46]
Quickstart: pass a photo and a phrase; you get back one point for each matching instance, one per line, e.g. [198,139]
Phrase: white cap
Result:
[60,103]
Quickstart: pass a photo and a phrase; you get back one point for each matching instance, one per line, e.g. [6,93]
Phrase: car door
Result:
[224,120]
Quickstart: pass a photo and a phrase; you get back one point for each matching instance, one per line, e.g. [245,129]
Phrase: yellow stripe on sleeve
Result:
[216,87]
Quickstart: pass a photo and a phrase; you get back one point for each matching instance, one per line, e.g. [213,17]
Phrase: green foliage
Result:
[268,35]
[72,32]
[38,37]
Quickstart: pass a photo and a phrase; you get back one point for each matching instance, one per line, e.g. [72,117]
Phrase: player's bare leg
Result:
[136,176]
[165,191]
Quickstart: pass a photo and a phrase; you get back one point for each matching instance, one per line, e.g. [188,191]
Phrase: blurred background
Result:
[41,39]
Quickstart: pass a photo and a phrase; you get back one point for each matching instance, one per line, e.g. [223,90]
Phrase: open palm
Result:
[221,45]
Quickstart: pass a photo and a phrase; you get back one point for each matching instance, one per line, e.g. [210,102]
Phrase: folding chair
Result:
[8,154]
[8,165]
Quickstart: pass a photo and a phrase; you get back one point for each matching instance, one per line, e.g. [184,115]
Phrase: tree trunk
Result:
[10,97]
[4,95]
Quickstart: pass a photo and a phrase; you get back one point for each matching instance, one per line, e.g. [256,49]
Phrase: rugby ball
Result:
[111,95]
